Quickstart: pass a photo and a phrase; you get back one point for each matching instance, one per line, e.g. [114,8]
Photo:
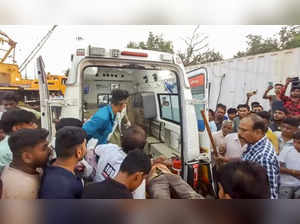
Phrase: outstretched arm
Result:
[266,96]
[283,89]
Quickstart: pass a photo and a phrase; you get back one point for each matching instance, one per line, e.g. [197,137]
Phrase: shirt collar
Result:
[288,142]
[256,145]
[112,116]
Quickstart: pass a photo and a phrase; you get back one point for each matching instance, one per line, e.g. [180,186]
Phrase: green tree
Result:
[154,42]
[258,45]
[288,37]
[209,56]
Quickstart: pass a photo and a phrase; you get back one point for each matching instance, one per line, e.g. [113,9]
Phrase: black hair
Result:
[258,122]
[133,137]
[278,84]
[255,104]
[16,116]
[264,114]
[136,161]
[1,126]
[231,111]
[297,135]
[244,180]
[10,96]
[24,139]
[67,139]
[243,106]
[291,121]
[281,109]
[295,87]
[68,122]
[118,95]
[211,111]
[222,106]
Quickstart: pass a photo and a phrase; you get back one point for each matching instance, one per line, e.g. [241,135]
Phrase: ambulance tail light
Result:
[80,52]
[135,54]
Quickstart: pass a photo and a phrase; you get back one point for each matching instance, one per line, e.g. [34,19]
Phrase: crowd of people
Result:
[258,154]
[268,138]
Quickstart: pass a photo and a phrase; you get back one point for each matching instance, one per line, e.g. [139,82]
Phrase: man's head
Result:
[220,111]
[296,138]
[252,128]
[119,99]
[280,114]
[256,107]
[231,113]
[277,88]
[227,127]
[14,120]
[295,92]
[288,127]
[2,134]
[10,101]
[70,143]
[266,116]
[68,122]
[133,137]
[211,115]
[243,180]
[30,147]
[136,166]
[243,110]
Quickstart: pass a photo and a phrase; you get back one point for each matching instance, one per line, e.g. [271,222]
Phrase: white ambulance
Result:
[160,100]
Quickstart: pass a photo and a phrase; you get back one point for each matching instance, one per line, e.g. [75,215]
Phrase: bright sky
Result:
[57,51]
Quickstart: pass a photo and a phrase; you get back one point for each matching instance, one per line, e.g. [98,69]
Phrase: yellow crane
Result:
[10,73]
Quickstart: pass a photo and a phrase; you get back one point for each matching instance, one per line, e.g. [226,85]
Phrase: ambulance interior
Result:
[153,102]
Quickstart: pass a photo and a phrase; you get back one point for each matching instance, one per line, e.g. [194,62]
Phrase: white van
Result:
[160,98]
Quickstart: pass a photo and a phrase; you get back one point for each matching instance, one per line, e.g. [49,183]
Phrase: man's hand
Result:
[162,159]
[249,94]
[222,149]
[269,88]
[288,80]
[222,159]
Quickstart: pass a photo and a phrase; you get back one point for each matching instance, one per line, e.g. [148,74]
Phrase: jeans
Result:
[160,187]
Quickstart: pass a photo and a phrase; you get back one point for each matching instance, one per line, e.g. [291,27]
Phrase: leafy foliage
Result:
[288,37]
[154,42]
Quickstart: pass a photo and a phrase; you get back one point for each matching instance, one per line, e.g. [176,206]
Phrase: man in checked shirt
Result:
[260,150]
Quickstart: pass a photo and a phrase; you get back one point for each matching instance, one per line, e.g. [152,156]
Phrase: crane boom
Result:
[36,49]
[10,42]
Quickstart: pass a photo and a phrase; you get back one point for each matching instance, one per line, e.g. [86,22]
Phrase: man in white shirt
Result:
[289,159]
[111,157]
[288,128]
[219,136]
[234,146]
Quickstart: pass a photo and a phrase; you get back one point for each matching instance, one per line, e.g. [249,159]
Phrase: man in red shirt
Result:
[292,103]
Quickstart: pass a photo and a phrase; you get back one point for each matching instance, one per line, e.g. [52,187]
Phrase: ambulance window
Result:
[169,107]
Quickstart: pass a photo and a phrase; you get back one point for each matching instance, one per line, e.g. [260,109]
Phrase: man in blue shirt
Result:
[260,150]
[59,180]
[101,123]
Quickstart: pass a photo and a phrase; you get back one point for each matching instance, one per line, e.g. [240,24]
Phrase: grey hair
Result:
[225,122]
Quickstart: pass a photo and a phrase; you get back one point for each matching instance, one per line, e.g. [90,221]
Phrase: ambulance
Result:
[160,101]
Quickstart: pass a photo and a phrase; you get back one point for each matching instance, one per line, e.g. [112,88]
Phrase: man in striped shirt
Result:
[260,150]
